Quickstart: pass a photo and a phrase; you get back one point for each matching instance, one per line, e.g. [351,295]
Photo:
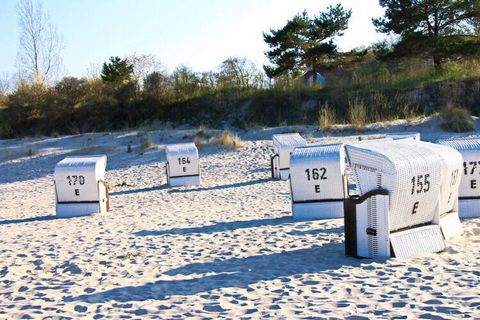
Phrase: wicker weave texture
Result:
[470,151]
[462,144]
[452,166]
[76,178]
[412,242]
[316,172]
[182,159]
[284,144]
[410,172]
[404,135]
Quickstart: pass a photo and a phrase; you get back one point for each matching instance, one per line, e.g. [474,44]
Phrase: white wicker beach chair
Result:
[80,187]
[469,193]
[450,181]
[396,211]
[317,181]
[403,135]
[283,145]
[183,165]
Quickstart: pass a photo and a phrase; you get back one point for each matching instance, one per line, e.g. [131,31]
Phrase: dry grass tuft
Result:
[326,118]
[147,143]
[457,119]
[357,113]
[226,139]
[230,140]
[200,142]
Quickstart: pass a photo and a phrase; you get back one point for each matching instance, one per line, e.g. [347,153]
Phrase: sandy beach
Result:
[226,249]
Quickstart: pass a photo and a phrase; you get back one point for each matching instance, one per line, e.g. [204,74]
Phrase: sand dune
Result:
[228,248]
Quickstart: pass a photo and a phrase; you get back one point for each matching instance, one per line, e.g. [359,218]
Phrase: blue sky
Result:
[197,33]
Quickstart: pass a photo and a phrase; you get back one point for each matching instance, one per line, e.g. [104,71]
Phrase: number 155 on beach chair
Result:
[406,190]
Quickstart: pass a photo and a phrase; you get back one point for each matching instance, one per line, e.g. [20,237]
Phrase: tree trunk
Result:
[437,63]
[314,79]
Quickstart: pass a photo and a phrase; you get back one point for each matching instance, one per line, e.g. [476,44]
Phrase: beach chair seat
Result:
[80,186]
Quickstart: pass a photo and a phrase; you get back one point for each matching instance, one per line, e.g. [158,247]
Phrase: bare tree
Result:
[41,45]
[143,65]
[6,81]
[94,70]
[5,87]
[240,72]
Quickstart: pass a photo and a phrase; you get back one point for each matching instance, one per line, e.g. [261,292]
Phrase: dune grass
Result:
[457,119]
[226,139]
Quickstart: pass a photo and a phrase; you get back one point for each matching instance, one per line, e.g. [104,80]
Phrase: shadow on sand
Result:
[223,186]
[30,168]
[192,189]
[31,219]
[132,191]
[232,273]
[218,227]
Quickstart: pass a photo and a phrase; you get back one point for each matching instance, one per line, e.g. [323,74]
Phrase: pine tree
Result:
[306,43]
[439,29]
[117,71]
